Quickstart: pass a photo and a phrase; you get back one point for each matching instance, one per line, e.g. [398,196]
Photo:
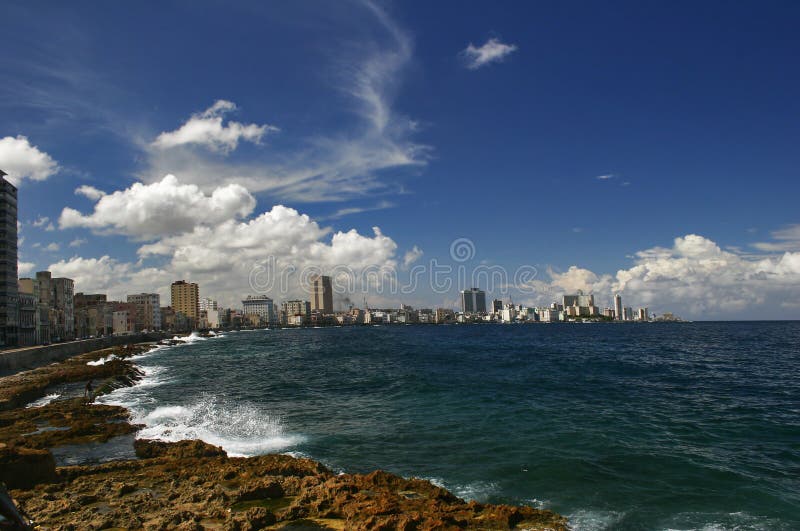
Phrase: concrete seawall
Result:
[12,361]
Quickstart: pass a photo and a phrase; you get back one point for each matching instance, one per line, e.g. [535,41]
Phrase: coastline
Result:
[192,484]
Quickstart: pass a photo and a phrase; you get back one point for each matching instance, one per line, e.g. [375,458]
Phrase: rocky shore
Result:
[191,485]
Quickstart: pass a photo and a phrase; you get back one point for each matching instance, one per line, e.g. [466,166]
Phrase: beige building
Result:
[185,298]
[321,294]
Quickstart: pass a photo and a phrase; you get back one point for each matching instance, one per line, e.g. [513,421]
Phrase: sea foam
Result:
[241,429]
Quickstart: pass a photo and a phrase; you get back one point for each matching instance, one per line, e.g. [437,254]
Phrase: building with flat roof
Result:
[473,300]
[321,294]
[260,306]
[9,294]
[185,299]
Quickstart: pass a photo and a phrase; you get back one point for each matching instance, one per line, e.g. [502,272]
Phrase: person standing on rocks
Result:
[87,392]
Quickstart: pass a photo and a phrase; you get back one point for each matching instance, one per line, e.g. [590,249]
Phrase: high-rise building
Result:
[321,294]
[497,305]
[62,307]
[473,300]
[185,299]
[261,306]
[9,294]
[618,307]
[644,314]
[148,311]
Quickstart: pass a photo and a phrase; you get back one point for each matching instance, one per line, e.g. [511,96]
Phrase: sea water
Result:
[617,426]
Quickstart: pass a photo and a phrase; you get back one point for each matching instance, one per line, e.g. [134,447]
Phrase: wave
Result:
[194,337]
[479,491]
[594,520]
[242,430]
[101,361]
[43,401]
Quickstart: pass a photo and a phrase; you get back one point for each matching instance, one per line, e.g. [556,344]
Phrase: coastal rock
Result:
[192,485]
[148,449]
[22,468]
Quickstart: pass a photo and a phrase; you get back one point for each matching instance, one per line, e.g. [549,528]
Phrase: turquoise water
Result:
[618,426]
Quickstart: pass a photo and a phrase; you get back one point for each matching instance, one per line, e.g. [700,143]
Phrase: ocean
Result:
[617,426]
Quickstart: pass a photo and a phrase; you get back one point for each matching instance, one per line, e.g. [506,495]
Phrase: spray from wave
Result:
[241,429]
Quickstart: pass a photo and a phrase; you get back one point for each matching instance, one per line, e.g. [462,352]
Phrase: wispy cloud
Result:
[605,177]
[785,240]
[383,205]
[491,51]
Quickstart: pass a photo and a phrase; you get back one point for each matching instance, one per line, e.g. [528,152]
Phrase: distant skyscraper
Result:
[321,294]
[497,305]
[473,301]
[207,303]
[9,294]
[184,297]
[618,315]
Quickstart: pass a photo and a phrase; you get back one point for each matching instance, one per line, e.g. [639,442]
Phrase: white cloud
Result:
[207,129]
[41,221]
[788,239]
[25,268]
[694,278]
[52,247]
[411,256]
[165,207]
[358,210]
[21,160]
[230,259]
[605,177]
[320,165]
[77,242]
[89,191]
[492,51]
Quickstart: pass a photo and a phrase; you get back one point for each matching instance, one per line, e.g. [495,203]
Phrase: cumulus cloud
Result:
[52,247]
[25,268]
[207,129]
[490,52]
[268,254]
[22,160]
[77,242]
[41,221]
[694,277]
[89,191]
[165,207]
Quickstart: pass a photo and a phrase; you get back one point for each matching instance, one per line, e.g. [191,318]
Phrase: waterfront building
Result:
[259,309]
[628,314]
[609,313]
[185,299]
[296,307]
[618,307]
[497,305]
[473,300]
[207,303]
[321,294]
[148,311]
[28,318]
[124,318]
[9,294]
[93,315]
[548,315]
[62,303]
[643,314]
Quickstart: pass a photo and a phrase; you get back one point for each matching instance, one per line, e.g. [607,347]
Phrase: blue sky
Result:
[363,115]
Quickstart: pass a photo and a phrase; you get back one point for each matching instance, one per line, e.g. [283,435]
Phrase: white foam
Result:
[241,429]
[594,520]
[43,401]
[479,491]
[194,337]
[101,361]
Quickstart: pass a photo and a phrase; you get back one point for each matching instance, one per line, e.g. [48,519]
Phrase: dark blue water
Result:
[618,426]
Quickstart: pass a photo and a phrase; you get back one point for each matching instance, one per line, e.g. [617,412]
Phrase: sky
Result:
[411,149]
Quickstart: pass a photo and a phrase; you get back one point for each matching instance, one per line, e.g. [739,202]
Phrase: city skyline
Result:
[607,157]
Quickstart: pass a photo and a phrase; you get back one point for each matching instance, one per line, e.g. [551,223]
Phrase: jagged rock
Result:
[22,468]
[147,449]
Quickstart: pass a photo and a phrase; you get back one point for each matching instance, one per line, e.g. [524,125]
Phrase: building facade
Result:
[185,299]
[473,300]
[259,306]
[9,294]
[148,311]
[321,294]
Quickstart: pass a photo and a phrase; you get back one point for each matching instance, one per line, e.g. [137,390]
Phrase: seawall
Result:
[12,361]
